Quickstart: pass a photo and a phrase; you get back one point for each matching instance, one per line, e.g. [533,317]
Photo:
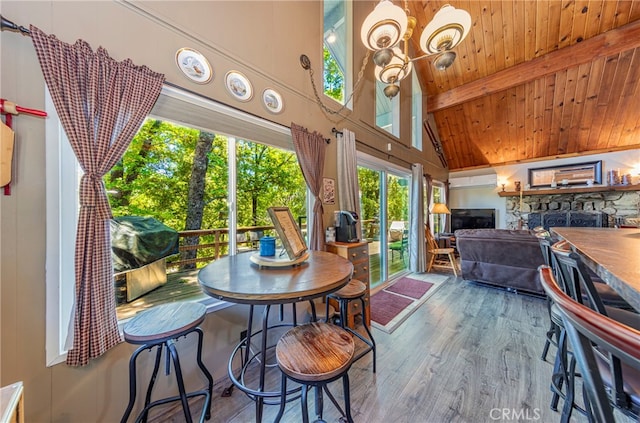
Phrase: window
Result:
[438,222]
[337,50]
[387,111]
[416,112]
[195,116]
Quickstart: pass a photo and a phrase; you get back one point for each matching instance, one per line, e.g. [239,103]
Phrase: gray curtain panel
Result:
[417,247]
[348,187]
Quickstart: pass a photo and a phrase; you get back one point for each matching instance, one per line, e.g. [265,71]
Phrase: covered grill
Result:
[139,246]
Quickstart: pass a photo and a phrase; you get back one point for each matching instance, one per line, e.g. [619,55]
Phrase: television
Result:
[472,219]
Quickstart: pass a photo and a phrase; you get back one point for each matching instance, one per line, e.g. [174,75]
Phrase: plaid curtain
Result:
[311,150]
[101,104]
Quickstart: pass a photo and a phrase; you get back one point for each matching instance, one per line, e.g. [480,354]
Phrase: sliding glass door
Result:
[398,218]
[384,200]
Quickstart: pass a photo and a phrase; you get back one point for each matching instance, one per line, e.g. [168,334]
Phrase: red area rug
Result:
[386,305]
[395,303]
[410,287]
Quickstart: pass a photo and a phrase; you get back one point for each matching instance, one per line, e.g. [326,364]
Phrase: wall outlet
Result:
[389,146]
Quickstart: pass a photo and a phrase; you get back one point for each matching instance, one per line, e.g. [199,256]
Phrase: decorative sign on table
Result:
[290,234]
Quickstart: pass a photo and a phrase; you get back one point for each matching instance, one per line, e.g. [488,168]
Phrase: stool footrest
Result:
[203,392]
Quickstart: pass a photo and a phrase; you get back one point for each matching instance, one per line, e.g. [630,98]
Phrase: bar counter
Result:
[613,254]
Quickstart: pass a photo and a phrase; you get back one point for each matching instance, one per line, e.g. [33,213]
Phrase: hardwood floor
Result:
[469,354]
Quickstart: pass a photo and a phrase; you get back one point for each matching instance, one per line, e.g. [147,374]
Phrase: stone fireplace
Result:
[596,209]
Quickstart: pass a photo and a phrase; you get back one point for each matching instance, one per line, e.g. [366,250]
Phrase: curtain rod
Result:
[6,24]
[336,132]
[384,153]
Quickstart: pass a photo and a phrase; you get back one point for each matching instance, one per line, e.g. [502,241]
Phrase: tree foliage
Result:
[333,77]
[152,179]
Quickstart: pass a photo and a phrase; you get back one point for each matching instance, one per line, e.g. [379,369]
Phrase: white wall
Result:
[487,196]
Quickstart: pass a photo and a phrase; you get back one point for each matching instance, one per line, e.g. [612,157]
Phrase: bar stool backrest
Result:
[575,278]
[585,326]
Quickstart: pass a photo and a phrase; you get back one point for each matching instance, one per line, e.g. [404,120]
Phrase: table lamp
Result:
[438,209]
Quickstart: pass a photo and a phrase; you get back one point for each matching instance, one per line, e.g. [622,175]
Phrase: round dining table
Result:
[239,279]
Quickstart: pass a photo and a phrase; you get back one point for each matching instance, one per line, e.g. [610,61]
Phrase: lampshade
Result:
[384,27]
[396,70]
[446,30]
[439,208]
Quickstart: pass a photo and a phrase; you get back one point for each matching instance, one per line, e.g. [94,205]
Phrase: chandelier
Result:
[388,24]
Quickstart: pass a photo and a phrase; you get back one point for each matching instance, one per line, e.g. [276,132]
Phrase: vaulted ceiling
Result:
[535,80]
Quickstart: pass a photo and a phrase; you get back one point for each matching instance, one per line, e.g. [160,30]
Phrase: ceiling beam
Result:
[610,43]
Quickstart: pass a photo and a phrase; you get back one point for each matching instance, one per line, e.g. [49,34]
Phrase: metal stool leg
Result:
[152,381]
[207,412]
[183,395]
[132,382]
[347,397]
[283,397]
[366,328]
[319,402]
[304,405]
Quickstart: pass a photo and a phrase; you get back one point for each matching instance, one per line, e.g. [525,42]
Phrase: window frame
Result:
[416,112]
[393,128]
[347,21]
[62,206]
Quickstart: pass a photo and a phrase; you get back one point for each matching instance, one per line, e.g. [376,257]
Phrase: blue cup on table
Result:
[267,246]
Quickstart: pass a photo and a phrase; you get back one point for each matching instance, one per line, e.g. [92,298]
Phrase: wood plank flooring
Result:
[469,354]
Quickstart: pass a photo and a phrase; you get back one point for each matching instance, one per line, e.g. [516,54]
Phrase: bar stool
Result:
[315,354]
[355,290]
[160,327]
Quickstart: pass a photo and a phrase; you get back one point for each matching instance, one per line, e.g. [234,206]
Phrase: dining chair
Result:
[576,279]
[439,257]
[607,354]
[401,246]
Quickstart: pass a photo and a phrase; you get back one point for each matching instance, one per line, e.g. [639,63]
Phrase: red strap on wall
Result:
[9,109]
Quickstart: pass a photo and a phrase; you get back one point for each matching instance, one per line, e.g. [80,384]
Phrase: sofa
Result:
[501,257]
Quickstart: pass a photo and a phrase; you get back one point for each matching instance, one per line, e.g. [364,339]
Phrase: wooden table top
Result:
[613,254]
[238,280]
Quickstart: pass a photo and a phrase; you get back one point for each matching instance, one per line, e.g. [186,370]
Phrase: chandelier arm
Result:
[424,56]
[306,64]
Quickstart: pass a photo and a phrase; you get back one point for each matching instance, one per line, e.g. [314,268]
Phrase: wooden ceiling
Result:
[536,80]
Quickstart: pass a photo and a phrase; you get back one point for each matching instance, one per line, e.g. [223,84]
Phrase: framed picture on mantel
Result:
[573,174]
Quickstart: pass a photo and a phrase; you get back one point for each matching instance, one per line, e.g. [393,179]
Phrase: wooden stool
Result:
[355,290]
[161,327]
[315,354]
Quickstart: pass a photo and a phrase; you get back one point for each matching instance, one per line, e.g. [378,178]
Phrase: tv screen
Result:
[472,219]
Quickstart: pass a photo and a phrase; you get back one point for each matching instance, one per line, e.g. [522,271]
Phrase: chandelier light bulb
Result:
[384,27]
[448,23]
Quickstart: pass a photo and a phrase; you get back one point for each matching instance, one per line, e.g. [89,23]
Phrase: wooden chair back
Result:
[431,241]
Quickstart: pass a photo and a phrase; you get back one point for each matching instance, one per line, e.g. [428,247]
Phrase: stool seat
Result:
[164,322]
[353,289]
[315,352]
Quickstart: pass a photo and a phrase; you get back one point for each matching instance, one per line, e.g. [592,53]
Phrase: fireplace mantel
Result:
[551,191]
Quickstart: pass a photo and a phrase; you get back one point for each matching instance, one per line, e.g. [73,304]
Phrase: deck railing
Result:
[206,245]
